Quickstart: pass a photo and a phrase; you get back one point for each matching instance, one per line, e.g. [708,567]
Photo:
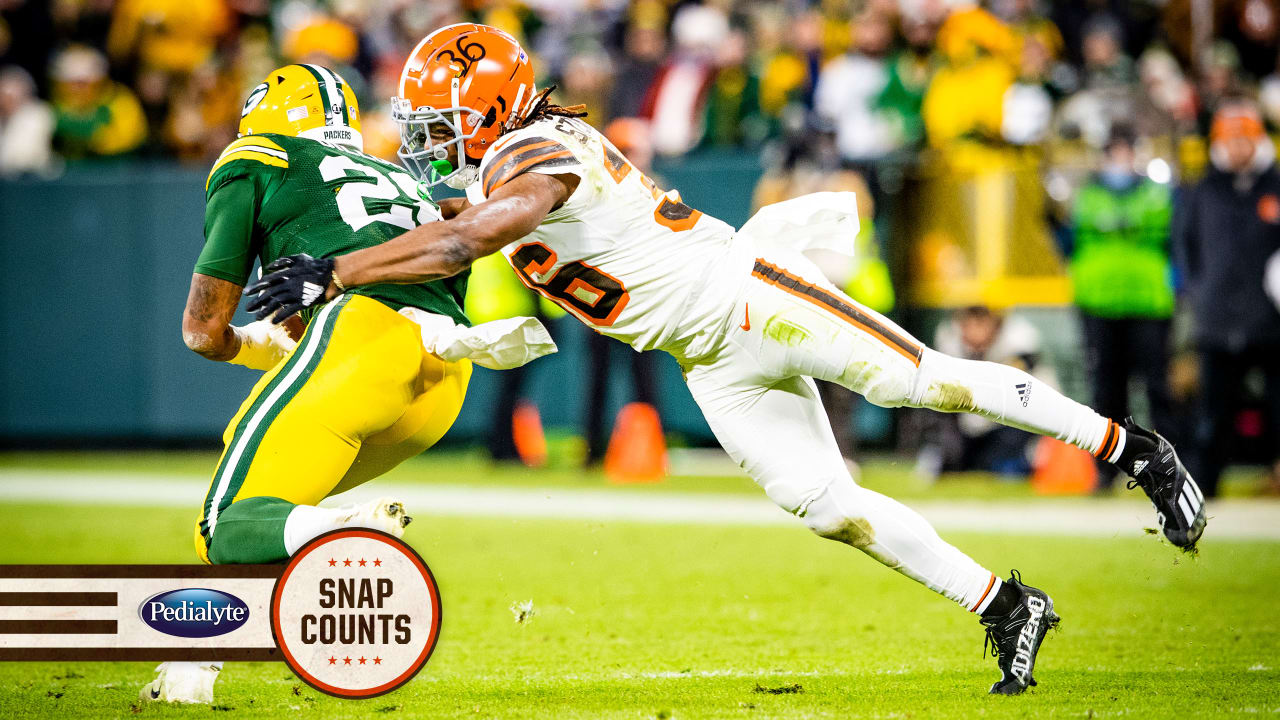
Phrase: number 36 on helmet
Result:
[465,85]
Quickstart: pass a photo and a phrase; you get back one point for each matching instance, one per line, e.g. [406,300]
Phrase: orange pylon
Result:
[526,432]
[1062,469]
[637,450]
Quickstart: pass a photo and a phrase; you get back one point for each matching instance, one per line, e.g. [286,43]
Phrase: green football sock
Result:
[251,531]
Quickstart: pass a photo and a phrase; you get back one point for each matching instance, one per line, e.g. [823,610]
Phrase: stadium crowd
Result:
[101,78]
[855,93]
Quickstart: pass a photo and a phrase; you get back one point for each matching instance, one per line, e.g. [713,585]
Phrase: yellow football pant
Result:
[355,398]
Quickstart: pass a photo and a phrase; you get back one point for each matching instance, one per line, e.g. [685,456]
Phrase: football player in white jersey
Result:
[750,319]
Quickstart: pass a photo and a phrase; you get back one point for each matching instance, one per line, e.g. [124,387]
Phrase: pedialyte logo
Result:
[194,612]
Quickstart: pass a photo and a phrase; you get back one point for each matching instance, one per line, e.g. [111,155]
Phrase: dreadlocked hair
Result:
[542,107]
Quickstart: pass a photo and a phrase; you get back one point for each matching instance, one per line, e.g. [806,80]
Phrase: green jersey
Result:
[271,195]
[1120,266]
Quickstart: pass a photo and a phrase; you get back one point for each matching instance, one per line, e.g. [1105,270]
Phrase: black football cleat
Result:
[1174,493]
[1014,639]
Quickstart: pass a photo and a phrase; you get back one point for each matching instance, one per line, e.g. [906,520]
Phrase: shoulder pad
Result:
[253,150]
[537,146]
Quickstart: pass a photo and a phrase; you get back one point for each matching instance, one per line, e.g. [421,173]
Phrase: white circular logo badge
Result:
[356,613]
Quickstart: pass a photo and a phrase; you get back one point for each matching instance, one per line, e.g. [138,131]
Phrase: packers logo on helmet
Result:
[309,101]
[255,97]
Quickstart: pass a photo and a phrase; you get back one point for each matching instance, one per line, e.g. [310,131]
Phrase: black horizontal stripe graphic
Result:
[57,627]
[118,654]
[109,572]
[96,599]
[784,279]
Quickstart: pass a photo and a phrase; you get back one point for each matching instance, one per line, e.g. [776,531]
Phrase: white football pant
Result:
[790,325]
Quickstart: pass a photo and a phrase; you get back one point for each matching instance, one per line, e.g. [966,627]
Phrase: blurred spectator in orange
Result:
[96,117]
[963,442]
[1227,227]
[26,125]
[323,39]
[1123,280]
[381,133]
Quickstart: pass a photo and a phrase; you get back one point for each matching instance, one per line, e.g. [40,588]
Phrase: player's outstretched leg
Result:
[806,326]
[1012,397]
[779,434]
[1016,627]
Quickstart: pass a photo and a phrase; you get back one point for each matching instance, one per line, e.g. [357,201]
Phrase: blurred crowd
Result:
[105,78]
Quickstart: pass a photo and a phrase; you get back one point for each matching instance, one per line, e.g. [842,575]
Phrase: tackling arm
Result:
[450,207]
[442,249]
[429,252]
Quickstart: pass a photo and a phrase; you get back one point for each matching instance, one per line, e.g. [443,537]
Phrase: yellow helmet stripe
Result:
[256,154]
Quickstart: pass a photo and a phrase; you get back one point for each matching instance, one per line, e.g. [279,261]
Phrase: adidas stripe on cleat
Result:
[1177,498]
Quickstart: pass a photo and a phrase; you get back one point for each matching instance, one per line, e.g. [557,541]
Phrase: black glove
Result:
[288,285]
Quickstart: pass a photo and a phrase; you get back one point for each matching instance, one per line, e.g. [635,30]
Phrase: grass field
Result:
[653,620]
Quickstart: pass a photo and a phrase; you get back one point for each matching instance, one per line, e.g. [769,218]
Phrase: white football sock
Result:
[901,539]
[1011,397]
[306,522]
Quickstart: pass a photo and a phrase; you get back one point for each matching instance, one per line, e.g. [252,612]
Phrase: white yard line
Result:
[1257,519]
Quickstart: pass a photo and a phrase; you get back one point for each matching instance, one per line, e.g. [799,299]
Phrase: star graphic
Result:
[377,562]
[377,661]
[361,562]
[346,661]
[333,660]
[346,563]
[332,562]
[361,661]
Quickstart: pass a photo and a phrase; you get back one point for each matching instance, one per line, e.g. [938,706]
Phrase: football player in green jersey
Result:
[357,393]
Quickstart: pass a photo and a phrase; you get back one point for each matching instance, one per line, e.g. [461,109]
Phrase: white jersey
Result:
[627,259]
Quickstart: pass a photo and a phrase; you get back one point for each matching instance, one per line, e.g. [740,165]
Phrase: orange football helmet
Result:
[476,82]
